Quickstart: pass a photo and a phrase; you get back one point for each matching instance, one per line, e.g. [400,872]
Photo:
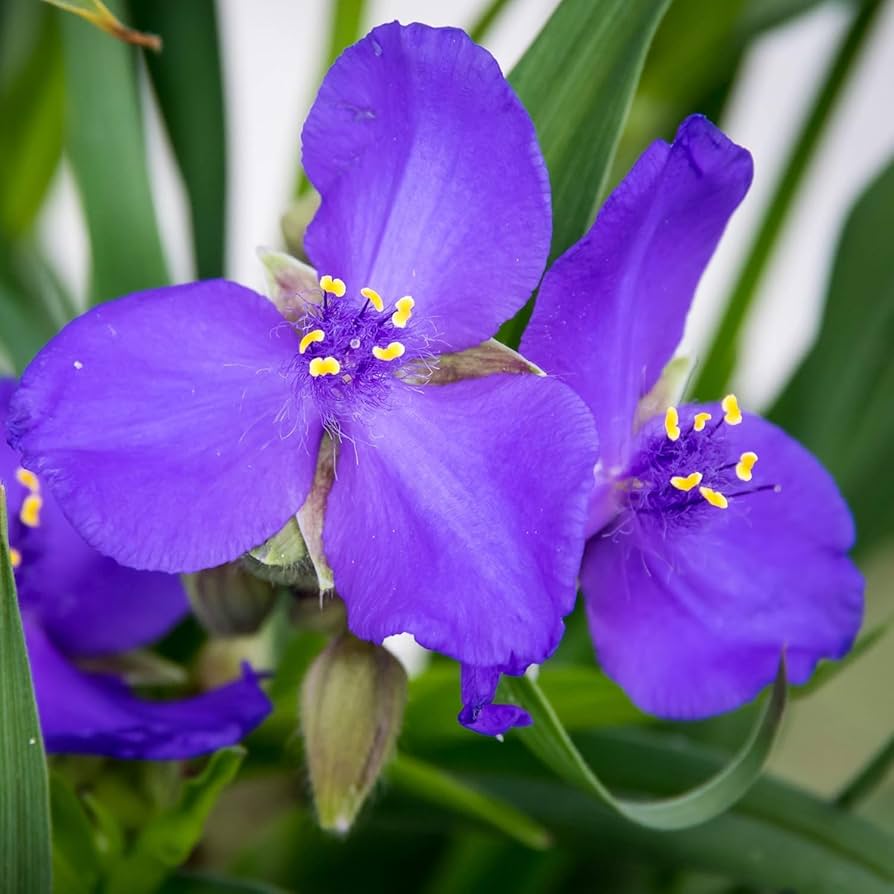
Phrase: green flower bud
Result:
[352,706]
[228,600]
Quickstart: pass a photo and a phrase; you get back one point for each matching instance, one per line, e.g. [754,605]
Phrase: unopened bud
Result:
[291,284]
[295,221]
[228,600]
[352,706]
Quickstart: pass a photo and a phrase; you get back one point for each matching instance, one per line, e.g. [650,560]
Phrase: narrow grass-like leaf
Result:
[422,780]
[76,858]
[838,403]
[104,140]
[188,82]
[577,81]
[721,358]
[25,850]
[550,742]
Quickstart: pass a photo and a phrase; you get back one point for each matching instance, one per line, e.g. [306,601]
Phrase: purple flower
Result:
[716,540]
[183,426]
[78,604]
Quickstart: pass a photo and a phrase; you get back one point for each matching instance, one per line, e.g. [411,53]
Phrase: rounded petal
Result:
[611,310]
[166,426]
[458,517]
[431,179]
[479,714]
[95,714]
[691,620]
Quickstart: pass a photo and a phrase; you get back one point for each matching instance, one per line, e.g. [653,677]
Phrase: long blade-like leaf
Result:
[25,850]
[550,742]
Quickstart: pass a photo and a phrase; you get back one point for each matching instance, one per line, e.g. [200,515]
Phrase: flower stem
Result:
[721,360]
[868,777]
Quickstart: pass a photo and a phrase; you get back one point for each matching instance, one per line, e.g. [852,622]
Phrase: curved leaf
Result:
[550,742]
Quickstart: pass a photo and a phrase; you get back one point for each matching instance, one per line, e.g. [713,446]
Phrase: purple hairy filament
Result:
[352,352]
[685,468]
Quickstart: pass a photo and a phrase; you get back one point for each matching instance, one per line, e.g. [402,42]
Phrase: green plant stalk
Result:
[721,359]
[482,24]
[868,777]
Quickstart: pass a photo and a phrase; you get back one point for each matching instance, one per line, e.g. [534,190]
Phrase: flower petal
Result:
[611,310]
[431,179]
[479,714]
[458,517]
[166,426]
[96,714]
[691,619]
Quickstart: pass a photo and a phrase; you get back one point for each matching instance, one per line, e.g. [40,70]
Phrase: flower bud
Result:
[291,284]
[352,705]
[228,600]
[294,222]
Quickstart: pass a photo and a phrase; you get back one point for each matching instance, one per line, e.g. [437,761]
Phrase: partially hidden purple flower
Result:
[715,540]
[181,427]
[78,604]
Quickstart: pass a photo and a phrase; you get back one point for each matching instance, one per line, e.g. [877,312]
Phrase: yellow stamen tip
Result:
[687,482]
[700,421]
[733,415]
[333,285]
[404,311]
[29,514]
[745,465]
[310,338]
[374,298]
[672,423]
[27,479]
[392,352]
[714,497]
[324,366]
[15,557]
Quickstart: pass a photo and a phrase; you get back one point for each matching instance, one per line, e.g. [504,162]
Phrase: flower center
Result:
[687,464]
[351,352]
[29,512]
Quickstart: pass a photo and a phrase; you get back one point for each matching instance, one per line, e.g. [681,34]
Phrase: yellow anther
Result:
[310,338]
[714,497]
[324,366]
[733,415]
[745,465]
[392,352]
[15,557]
[687,482]
[332,285]
[700,421]
[374,298]
[28,479]
[404,311]
[672,423]
[29,514]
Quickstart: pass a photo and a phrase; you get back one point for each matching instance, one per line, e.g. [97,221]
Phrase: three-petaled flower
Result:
[181,427]
[716,541]
[79,605]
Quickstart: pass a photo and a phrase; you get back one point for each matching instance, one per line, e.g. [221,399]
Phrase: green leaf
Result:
[76,860]
[838,403]
[549,741]
[577,80]
[187,78]
[168,839]
[721,359]
[104,140]
[25,854]
[32,105]
[422,780]
[196,883]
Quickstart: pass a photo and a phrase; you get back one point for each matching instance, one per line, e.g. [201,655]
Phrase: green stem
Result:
[482,24]
[867,778]
[721,358]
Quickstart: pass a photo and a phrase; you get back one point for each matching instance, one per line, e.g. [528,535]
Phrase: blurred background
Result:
[756,67]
